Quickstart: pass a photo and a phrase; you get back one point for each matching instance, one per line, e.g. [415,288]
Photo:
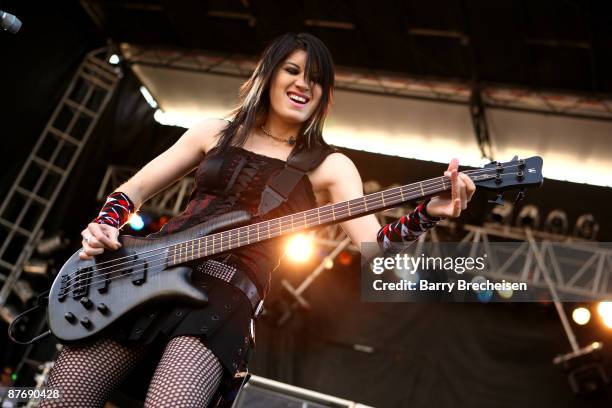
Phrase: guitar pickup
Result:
[82,282]
[139,273]
[101,281]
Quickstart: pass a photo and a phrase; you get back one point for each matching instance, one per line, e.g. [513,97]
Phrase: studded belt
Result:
[236,278]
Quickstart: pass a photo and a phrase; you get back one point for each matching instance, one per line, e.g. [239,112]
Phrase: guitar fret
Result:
[245,235]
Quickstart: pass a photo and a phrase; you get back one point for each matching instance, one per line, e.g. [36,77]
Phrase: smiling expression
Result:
[291,97]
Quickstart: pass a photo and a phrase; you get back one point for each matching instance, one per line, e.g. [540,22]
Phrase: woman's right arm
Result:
[158,174]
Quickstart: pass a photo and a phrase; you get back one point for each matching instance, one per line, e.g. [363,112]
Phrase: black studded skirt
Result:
[223,325]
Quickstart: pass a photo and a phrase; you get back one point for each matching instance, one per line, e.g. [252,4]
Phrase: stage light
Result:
[505,293]
[502,214]
[136,222]
[528,217]
[114,59]
[345,258]
[36,266]
[581,315]
[23,290]
[486,295]
[604,309]
[49,245]
[584,369]
[586,227]
[8,313]
[328,263]
[299,248]
[556,222]
[148,97]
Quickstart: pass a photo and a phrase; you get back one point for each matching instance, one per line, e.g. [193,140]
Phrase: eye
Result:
[292,70]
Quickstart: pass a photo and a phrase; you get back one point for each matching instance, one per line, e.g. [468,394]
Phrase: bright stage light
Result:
[114,59]
[148,97]
[136,222]
[328,263]
[581,315]
[505,293]
[605,309]
[299,248]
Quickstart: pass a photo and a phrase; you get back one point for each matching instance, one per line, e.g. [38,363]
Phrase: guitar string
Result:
[163,259]
[238,237]
[387,191]
[391,193]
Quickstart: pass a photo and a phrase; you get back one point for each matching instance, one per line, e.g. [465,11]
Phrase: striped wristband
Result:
[116,210]
[407,228]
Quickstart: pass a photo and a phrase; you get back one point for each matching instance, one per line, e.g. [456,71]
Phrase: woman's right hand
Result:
[97,238]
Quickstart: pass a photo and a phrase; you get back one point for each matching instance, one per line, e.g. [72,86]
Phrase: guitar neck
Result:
[328,214]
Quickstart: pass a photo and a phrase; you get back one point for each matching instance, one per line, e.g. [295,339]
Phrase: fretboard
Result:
[328,214]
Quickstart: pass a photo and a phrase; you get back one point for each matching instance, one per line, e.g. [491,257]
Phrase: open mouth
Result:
[300,99]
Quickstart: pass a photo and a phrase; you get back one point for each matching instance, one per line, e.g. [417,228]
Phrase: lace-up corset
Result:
[247,173]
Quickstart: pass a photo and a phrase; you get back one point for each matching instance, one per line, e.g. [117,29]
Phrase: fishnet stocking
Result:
[86,375]
[187,375]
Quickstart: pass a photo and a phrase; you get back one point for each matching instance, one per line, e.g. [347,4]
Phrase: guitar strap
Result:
[298,165]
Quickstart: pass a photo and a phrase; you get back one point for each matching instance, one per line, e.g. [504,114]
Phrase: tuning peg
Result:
[499,200]
[519,196]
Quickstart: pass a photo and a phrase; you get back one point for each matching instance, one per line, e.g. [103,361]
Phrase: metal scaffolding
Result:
[38,184]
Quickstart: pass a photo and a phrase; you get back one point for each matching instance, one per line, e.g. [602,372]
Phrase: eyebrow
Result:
[294,64]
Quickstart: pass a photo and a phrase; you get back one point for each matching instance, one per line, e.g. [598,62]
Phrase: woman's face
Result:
[291,97]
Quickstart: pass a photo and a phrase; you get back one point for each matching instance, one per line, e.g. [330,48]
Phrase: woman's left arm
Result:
[339,176]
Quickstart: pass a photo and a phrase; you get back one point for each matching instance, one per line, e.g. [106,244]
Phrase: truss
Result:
[510,98]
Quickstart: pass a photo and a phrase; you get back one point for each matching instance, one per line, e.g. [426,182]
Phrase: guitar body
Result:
[89,296]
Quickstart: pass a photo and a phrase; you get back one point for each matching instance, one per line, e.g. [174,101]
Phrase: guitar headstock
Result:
[515,174]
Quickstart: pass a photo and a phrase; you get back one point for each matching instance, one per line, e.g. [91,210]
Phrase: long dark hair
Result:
[255,93]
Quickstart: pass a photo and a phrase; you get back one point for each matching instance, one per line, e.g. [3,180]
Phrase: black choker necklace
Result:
[290,141]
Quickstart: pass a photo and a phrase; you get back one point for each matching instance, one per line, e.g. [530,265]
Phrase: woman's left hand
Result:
[450,204]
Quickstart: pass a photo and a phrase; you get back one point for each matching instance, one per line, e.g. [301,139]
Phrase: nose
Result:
[301,83]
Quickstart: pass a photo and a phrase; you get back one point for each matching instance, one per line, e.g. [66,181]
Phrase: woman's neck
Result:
[280,128]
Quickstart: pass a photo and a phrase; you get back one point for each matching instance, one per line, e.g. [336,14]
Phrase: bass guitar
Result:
[88,296]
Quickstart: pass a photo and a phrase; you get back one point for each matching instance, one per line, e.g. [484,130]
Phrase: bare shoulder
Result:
[206,133]
[336,167]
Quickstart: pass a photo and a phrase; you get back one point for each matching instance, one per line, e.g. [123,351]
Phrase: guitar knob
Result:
[86,302]
[102,308]
[85,322]
[71,318]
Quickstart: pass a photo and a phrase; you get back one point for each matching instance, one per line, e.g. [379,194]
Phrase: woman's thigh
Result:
[187,375]
[86,375]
